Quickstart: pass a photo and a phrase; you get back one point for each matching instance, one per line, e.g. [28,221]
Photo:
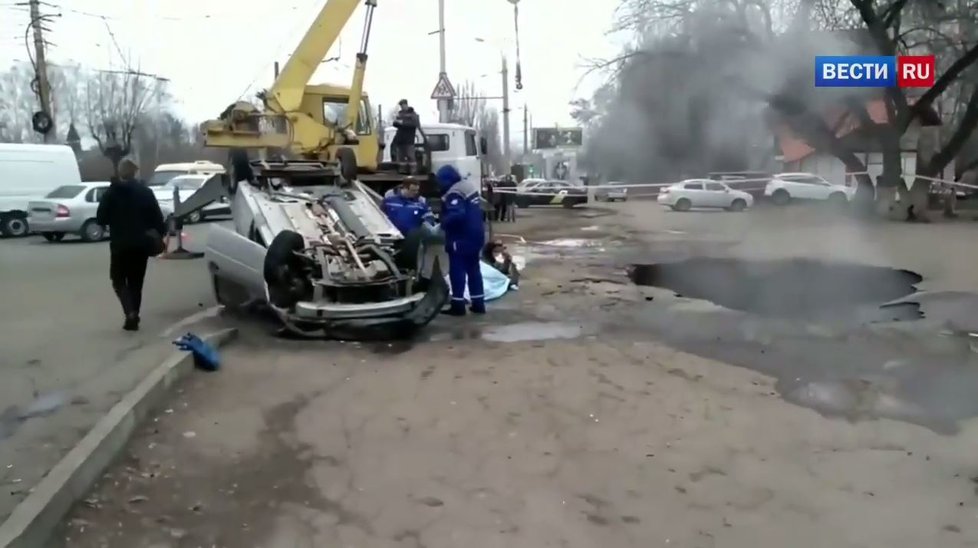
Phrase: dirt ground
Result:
[543,424]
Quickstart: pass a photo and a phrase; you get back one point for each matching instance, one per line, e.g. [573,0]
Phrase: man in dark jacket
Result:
[407,123]
[136,227]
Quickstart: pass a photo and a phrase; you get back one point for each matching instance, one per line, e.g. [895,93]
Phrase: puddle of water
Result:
[592,228]
[798,288]
[532,331]
[571,242]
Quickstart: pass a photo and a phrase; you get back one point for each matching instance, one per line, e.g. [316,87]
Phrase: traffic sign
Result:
[444,88]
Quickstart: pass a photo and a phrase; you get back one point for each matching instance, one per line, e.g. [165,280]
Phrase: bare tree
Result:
[115,104]
[471,108]
[17,105]
[701,67]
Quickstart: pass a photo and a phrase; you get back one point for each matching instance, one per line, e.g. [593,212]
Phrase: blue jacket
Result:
[461,212]
[405,213]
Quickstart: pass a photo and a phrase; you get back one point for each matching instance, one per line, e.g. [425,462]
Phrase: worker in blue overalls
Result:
[406,208]
[461,220]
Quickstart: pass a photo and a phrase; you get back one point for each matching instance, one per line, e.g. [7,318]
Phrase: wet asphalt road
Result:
[856,363]
[65,359]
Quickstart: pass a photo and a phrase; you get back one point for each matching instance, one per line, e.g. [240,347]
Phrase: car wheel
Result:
[838,199]
[14,226]
[568,203]
[283,269]
[683,204]
[781,197]
[195,217]
[738,205]
[91,231]
[54,236]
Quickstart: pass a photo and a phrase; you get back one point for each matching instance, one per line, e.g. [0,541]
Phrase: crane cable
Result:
[516,29]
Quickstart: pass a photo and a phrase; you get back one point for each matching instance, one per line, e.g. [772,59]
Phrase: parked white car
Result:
[186,186]
[68,209]
[785,187]
[704,193]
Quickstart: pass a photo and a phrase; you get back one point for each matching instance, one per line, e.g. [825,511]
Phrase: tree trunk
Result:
[891,180]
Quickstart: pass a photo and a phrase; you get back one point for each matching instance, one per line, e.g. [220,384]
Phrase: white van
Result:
[30,172]
[451,144]
[164,172]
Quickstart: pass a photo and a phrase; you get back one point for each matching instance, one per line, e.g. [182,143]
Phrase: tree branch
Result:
[961,135]
[941,85]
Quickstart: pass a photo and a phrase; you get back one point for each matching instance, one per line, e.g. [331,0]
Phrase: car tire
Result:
[568,203]
[781,197]
[91,231]
[738,205]
[54,236]
[348,163]
[14,226]
[683,204]
[838,199]
[280,267]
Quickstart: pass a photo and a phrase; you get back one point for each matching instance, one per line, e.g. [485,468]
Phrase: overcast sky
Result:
[218,53]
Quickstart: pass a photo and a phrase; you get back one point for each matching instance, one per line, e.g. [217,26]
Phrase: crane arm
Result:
[286,93]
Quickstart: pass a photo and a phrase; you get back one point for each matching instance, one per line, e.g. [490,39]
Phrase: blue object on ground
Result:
[495,283]
[205,355]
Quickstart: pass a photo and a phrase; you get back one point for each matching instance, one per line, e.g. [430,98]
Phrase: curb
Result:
[36,518]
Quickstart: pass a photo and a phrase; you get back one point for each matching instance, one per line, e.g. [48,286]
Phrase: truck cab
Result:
[449,144]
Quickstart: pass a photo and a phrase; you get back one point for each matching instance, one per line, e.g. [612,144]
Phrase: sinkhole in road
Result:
[796,288]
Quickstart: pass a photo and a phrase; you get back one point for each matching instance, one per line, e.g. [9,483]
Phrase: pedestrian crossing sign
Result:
[444,88]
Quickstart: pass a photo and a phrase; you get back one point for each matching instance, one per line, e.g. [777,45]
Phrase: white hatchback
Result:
[704,193]
[785,187]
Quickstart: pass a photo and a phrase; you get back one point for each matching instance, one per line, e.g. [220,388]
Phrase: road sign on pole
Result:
[444,88]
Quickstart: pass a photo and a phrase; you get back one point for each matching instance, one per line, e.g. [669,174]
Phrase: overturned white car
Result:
[320,252]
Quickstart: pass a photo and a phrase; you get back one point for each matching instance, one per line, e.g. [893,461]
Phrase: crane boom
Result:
[286,93]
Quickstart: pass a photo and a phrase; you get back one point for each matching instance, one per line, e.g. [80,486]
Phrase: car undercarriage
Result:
[320,252]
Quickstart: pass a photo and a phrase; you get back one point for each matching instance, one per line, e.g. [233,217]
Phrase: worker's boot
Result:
[457,308]
[478,306]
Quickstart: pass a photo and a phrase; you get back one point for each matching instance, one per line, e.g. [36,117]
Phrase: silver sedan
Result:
[68,209]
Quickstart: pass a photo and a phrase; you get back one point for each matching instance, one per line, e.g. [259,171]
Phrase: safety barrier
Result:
[736,182]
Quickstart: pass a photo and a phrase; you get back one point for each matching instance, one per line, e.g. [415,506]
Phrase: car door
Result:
[716,195]
[541,194]
[560,191]
[693,191]
[89,206]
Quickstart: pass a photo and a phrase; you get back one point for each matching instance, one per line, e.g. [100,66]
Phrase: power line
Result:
[173,18]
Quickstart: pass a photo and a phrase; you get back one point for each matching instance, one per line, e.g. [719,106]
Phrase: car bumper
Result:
[616,196]
[390,319]
[55,225]
[664,199]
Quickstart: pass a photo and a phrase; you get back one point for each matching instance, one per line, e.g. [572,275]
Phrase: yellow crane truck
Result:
[315,122]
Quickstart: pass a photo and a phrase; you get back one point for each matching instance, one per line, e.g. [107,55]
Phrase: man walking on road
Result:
[136,227]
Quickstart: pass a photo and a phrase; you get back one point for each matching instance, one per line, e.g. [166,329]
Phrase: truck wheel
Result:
[14,225]
[54,236]
[348,164]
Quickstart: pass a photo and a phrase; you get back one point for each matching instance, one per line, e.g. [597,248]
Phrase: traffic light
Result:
[531,170]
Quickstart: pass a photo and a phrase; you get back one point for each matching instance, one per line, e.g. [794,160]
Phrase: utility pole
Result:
[526,131]
[41,69]
[507,160]
[443,110]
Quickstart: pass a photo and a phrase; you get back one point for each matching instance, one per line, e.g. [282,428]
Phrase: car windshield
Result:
[161,178]
[65,192]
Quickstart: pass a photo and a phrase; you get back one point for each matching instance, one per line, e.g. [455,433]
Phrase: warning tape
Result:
[588,188]
[912,178]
